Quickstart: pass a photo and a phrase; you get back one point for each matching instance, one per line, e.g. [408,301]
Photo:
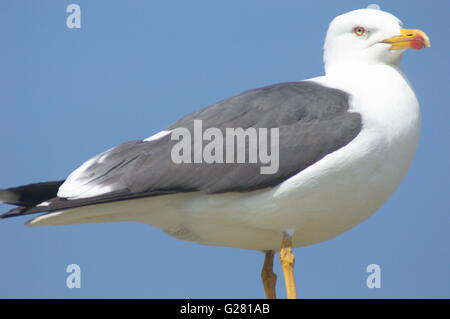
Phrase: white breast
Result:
[349,185]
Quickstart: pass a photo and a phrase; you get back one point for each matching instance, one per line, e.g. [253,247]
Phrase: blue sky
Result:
[135,67]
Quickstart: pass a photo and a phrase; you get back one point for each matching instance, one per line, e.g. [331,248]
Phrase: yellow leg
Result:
[269,278]
[287,263]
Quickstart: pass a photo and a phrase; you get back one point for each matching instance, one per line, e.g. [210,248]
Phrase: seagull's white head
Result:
[369,36]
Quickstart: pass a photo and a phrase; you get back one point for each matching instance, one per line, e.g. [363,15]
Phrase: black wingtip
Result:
[28,196]
[31,194]
[18,211]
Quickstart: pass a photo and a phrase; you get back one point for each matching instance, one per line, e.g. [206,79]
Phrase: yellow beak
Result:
[410,39]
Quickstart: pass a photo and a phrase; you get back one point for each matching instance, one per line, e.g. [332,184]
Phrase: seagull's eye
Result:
[359,31]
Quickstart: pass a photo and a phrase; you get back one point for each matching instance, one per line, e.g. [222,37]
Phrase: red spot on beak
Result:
[418,42]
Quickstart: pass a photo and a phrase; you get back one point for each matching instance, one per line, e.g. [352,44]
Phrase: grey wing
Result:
[312,120]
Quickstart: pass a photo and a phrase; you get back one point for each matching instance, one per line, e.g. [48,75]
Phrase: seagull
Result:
[343,143]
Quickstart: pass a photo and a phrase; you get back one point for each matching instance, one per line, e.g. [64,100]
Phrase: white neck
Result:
[345,66]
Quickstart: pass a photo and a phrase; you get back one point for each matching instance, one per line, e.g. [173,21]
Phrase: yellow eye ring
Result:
[359,31]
